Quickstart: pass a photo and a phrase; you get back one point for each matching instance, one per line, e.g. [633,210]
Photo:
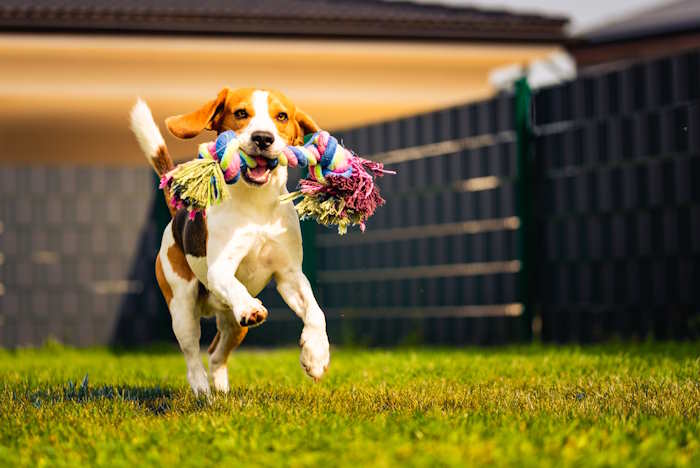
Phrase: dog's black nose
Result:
[262,139]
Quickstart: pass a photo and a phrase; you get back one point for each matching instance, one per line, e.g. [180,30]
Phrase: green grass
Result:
[517,406]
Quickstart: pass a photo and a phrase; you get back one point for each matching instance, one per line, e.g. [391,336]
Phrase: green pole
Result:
[523,131]
[309,264]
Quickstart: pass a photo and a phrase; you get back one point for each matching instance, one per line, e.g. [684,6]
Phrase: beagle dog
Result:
[215,265]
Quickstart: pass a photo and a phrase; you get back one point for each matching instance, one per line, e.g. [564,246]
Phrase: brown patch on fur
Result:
[214,342]
[242,332]
[195,236]
[179,263]
[239,99]
[207,116]
[178,227]
[306,125]
[219,114]
[163,163]
[162,282]
[234,340]
[190,234]
[298,122]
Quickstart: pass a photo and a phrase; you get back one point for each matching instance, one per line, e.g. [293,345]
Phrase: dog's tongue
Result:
[259,173]
[261,161]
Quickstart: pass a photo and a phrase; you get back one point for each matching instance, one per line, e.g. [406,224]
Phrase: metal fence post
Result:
[523,130]
[310,262]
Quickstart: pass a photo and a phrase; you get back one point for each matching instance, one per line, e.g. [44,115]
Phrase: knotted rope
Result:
[339,189]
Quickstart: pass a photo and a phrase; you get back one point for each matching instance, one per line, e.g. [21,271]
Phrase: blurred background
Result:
[548,158]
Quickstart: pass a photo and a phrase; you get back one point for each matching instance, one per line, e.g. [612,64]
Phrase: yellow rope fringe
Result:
[199,183]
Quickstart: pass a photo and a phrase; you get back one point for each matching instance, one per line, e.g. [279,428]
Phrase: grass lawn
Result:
[515,406]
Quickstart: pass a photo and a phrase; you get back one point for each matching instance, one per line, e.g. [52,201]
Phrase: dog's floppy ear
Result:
[305,124]
[190,125]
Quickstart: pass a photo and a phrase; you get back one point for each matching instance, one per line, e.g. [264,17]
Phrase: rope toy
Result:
[339,189]
[199,184]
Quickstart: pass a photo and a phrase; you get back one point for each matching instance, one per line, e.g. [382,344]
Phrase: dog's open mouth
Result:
[260,174]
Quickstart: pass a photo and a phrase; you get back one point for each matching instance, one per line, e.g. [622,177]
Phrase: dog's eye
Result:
[282,117]
[241,114]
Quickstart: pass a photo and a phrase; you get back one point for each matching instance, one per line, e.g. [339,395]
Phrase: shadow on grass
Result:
[156,400]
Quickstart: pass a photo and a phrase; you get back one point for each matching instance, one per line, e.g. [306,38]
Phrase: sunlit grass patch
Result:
[515,406]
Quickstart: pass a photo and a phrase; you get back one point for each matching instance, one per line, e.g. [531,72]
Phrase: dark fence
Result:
[77,248]
[608,243]
[439,262]
[618,203]
[613,217]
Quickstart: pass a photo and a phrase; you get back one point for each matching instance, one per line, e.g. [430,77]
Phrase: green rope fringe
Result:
[199,183]
[326,212]
[290,196]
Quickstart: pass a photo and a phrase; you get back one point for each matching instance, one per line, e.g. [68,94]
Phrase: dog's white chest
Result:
[257,267]
[262,257]
[259,240]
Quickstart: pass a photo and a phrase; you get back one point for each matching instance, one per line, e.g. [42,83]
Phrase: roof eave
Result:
[637,35]
[550,32]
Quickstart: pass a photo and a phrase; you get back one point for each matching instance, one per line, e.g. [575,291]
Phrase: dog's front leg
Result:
[221,278]
[296,291]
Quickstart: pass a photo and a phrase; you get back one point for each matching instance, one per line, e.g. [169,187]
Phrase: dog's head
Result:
[265,121]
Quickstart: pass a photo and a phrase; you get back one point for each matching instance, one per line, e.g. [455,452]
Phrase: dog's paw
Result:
[199,383]
[252,313]
[315,352]
[219,378]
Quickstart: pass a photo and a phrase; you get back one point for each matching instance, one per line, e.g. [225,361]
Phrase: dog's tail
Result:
[152,143]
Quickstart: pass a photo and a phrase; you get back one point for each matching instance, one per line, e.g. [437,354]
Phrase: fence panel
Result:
[76,260]
[439,262]
[617,209]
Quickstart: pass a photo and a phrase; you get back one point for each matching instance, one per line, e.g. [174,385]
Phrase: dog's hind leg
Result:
[228,337]
[188,331]
[180,289]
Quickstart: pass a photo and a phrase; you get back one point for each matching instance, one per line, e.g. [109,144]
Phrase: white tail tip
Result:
[145,129]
